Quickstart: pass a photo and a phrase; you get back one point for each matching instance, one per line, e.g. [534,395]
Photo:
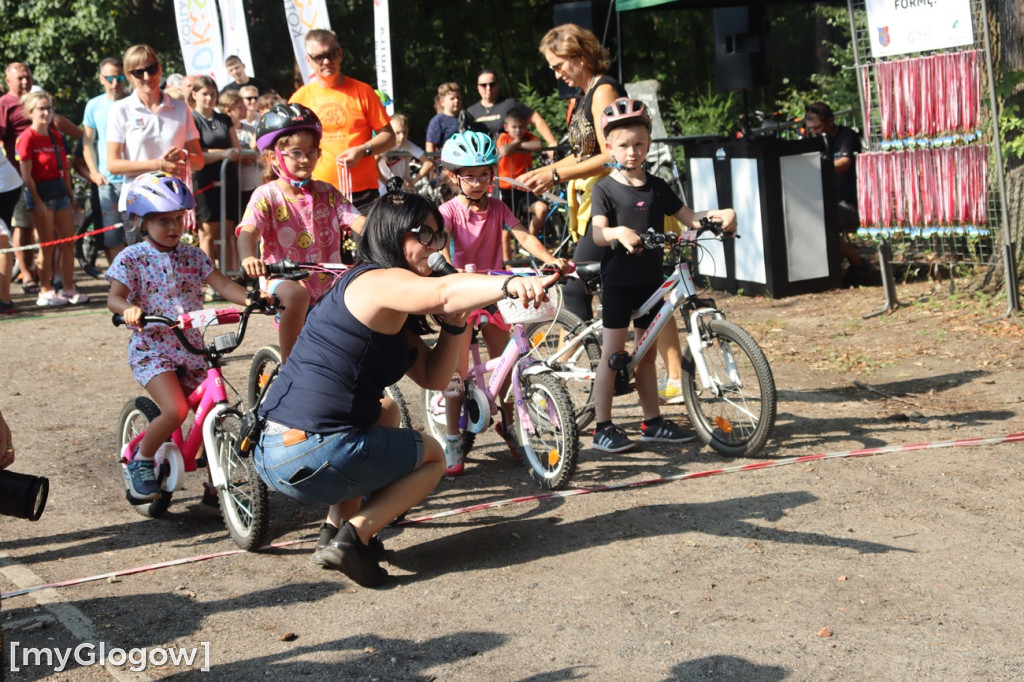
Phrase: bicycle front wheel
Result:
[243,501]
[551,440]
[735,414]
[576,367]
[262,370]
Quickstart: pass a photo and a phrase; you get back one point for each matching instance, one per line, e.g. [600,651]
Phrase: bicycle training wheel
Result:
[243,501]
[577,367]
[736,414]
[437,424]
[552,446]
[395,394]
[135,418]
[262,370]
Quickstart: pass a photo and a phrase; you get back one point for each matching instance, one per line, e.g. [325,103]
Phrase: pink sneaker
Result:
[50,298]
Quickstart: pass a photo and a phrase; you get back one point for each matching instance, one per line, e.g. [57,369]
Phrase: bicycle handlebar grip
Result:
[117,319]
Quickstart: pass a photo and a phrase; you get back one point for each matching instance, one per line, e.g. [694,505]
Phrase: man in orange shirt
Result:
[356,126]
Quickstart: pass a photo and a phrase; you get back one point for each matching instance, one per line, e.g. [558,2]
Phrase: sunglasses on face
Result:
[560,66]
[482,180]
[324,56]
[487,85]
[434,239]
[119,78]
[151,70]
[251,99]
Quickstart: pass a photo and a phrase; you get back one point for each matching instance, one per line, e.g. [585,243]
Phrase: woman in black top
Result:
[327,440]
[219,141]
[576,56]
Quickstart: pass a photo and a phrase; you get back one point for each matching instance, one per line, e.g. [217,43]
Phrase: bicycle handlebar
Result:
[200,319]
[653,239]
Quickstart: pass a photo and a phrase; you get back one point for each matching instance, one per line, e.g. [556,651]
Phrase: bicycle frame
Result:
[673,293]
[516,351]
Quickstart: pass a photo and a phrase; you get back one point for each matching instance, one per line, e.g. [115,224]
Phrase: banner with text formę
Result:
[906,26]
[236,35]
[302,17]
[199,36]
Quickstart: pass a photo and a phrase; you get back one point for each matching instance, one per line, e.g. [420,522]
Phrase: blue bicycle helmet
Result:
[468,150]
[157,192]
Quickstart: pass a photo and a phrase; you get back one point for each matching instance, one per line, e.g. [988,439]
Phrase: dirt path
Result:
[898,566]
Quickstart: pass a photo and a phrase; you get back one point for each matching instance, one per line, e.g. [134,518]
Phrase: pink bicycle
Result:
[213,438]
[544,415]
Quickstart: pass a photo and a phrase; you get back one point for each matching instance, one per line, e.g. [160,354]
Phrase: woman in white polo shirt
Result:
[149,131]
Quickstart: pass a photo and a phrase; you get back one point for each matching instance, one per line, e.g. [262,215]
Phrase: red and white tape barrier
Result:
[771,464]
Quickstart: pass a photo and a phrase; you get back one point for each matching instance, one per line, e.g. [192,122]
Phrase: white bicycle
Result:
[727,383]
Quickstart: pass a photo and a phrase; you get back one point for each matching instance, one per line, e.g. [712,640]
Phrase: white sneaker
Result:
[50,298]
[73,297]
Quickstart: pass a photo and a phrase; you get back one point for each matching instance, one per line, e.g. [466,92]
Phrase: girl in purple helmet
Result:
[160,276]
[293,216]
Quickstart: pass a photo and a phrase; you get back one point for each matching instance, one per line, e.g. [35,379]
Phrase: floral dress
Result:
[163,283]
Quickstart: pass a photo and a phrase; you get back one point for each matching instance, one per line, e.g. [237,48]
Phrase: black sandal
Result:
[30,287]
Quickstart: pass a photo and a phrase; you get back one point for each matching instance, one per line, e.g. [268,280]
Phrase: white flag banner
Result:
[906,26]
[199,36]
[236,34]
[302,16]
[382,50]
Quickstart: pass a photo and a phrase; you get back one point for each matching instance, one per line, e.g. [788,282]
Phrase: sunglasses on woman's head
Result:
[434,239]
[151,70]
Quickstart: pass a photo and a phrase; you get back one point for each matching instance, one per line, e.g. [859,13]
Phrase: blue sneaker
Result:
[140,474]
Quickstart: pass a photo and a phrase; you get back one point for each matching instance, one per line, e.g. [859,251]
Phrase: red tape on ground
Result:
[758,466]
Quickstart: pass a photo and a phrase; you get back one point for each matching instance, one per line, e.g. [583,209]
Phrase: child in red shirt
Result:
[515,147]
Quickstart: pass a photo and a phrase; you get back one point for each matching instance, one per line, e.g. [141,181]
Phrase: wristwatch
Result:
[554,176]
[368,149]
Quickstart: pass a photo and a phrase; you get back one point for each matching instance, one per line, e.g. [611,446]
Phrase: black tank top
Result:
[339,368]
[582,130]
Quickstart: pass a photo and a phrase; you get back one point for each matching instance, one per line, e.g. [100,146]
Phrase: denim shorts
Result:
[328,468]
[54,188]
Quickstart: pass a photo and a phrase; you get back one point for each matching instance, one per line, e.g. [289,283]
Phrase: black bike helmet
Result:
[285,119]
[625,111]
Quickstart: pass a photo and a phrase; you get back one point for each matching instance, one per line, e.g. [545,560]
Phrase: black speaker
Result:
[740,60]
[589,14]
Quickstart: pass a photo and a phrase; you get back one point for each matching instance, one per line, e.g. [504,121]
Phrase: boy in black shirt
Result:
[625,204]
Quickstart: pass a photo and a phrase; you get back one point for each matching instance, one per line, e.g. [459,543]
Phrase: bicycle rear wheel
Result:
[395,393]
[243,501]
[262,370]
[576,369]
[437,424]
[735,415]
[552,446]
[135,418]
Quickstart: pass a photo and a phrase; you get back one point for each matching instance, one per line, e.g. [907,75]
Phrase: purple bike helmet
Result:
[157,192]
[285,119]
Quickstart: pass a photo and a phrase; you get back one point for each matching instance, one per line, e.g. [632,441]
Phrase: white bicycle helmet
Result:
[157,192]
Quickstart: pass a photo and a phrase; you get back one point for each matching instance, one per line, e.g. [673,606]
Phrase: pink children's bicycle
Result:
[214,436]
[546,435]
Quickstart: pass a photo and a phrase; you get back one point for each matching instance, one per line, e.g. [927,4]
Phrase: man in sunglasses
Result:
[356,126]
[491,110]
[236,69]
[94,150]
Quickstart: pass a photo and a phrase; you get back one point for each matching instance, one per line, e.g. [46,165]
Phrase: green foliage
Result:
[1011,120]
[711,113]
[836,84]
[550,106]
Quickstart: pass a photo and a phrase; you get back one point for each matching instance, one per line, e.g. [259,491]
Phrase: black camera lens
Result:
[23,496]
